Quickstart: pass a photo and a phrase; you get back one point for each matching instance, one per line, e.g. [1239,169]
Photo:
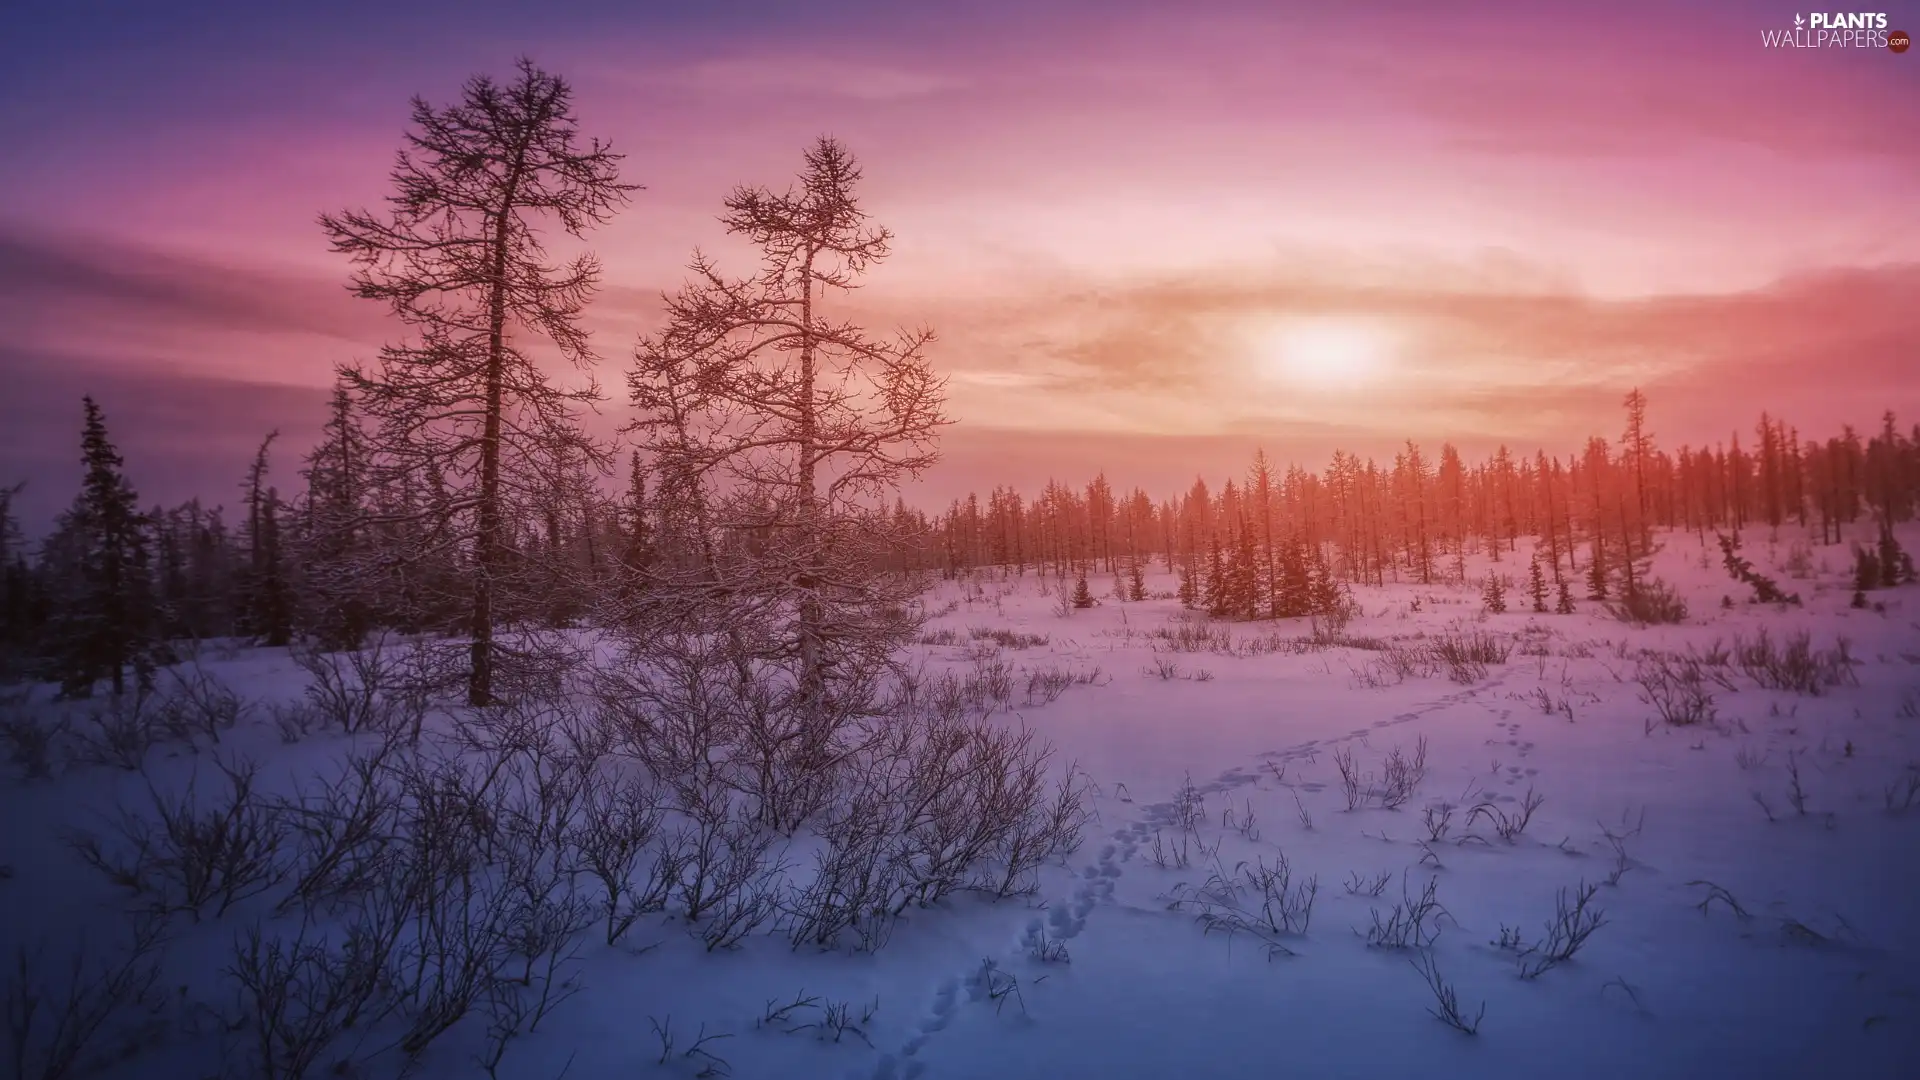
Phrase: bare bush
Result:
[1465,656]
[1196,636]
[1399,779]
[1508,826]
[1573,922]
[999,986]
[1795,665]
[1008,639]
[67,1020]
[1414,923]
[1350,778]
[1401,776]
[619,823]
[1902,794]
[1617,843]
[30,741]
[710,1064]
[1255,898]
[1677,689]
[187,857]
[1372,886]
[197,703]
[1650,603]
[295,998]
[344,829]
[1715,892]
[1796,792]
[118,732]
[348,688]
[1446,1007]
[1044,948]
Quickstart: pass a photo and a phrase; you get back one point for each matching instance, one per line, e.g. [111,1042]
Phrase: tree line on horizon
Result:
[326,564]
[1590,514]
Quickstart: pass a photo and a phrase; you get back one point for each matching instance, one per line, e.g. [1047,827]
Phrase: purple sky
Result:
[1150,241]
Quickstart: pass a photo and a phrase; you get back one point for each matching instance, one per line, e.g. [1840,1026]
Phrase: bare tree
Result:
[460,259]
[778,433]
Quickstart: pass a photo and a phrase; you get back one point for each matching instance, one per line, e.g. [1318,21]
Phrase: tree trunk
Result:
[487,539]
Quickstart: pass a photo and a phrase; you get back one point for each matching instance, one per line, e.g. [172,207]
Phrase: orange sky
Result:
[1118,218]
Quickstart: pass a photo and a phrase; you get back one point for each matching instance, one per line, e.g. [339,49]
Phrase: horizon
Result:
[1335,232]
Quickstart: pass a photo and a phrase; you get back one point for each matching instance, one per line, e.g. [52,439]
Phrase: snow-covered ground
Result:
[1214,752]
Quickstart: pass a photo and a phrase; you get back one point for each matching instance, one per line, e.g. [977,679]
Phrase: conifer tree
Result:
[1245,575]
[1597,569]
[1328,598]
[19,620]
[1493,596]
[1215,593]
[1537,585]
[1136,579]
[1295,597]
[266,600]
[339,595]
[1563,604]
[106,621]
[1082,595]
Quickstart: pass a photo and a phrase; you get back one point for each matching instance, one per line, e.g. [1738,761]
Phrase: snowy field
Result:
[1604,894]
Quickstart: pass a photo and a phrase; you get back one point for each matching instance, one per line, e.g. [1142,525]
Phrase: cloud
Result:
[1523,357]
[786,75]
[125,304]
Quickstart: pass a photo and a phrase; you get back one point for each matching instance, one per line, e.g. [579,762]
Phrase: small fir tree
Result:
[1537,585]
[1215,590]
[1082,596]
[1493,596]
[109,620]
[1329,598]
[1295,597]
[1597,572]
[1136,580]
[1563,604]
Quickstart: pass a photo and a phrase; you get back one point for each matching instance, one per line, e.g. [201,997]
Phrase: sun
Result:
[1325,352]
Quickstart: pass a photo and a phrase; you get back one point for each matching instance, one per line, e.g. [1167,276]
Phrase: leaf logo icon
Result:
[1798,22]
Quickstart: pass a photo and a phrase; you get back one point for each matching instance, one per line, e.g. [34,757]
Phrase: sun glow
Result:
[1323,352]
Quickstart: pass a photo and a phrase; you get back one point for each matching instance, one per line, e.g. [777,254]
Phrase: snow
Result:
[1662,989]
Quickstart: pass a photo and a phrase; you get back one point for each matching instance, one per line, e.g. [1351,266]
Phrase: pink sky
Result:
[1103,210]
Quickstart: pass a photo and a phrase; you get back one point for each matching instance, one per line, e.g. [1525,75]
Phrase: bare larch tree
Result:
[458,257]
[778,433]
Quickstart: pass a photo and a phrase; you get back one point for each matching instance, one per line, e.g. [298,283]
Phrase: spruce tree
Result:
[1296,589]
[1327,597]
[266,600]
[106,620]
[1597,571]
[1493,595]
[1866,572]
[1245,576]
[1537,585]
[1082,595]
[18,618]
[338,598]
[1215,592]
[1136,579]
[1563,605]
